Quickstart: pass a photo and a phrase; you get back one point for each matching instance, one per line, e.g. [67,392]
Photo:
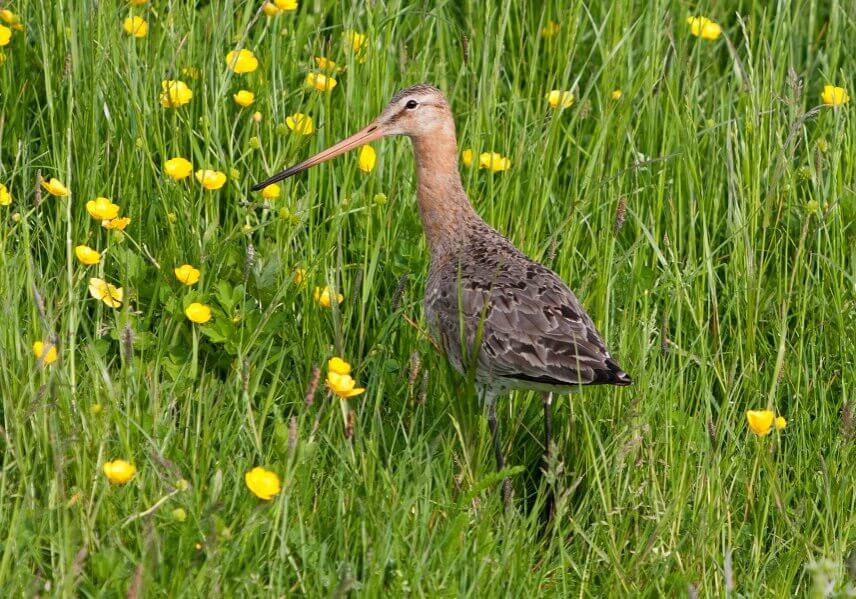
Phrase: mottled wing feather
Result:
[531,327]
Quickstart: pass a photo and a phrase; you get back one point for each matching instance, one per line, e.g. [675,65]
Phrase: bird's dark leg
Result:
[547,398]
[490,400]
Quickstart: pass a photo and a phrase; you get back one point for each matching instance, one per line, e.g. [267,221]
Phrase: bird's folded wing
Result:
[532,329]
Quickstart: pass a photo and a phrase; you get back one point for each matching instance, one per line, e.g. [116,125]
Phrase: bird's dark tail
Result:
[612,375]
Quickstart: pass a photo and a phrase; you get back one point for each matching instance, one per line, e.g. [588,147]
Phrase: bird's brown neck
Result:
[443,204]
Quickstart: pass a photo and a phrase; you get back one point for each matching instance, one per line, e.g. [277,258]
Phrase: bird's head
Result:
[419,111]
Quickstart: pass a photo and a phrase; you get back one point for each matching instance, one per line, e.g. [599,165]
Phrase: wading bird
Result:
[498,315]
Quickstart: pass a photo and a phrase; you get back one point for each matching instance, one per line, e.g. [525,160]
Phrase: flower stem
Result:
[69,264]
[194,363]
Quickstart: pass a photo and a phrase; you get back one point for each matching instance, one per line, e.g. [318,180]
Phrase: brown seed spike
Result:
[415,366]
[349,426]
[399,291]
[551,254]
[620,213]
[128,343]
[309,397]
[39,180]
[465,47]
[423,390]
[292,434]
[40,303]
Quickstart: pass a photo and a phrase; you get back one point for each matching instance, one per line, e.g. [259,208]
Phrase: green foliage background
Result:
[730,285]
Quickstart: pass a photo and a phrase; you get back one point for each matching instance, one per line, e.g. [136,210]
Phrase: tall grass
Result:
[705,218]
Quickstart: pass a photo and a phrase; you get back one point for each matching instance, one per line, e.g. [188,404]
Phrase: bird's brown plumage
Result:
[495,310]
[512,319]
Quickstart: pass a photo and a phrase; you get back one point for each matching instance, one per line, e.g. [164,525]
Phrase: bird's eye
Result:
[411,104]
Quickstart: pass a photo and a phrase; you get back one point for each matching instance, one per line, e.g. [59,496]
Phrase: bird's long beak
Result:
[364,136]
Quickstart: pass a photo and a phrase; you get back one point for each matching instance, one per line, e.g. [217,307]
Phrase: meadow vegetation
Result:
[696,187]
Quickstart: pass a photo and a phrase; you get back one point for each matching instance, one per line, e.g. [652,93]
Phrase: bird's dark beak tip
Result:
[271,180]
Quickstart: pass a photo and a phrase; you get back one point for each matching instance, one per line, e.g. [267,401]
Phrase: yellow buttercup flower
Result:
[325,63]
[137,2]
[87,255]
[178,168]
[174,93]
[286,5]
[55,187]
[271,192]
[760,421]
[299,276]
[118,224]
[550,29]
[12,19]
[270,9]
[834,96]
[211,179]
[467,157]
[780,423]
[338,365]
[257,117]
[264,484]
[494,161]
[560,99]
[119,472]
[343,385]
[5,196]
[136,26]
[198,313]
[366,159]
[616,94]
[319,82]
[300,123]
[242,61]
[102,209]
[5,35]
[322,296]
[186,274]
[107,293]
[244,98]
[355,40]
[704,28]
[46,352]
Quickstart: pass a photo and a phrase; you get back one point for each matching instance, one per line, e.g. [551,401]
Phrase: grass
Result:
[706,220]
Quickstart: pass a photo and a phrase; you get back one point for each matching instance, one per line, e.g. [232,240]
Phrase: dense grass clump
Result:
[706,218]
